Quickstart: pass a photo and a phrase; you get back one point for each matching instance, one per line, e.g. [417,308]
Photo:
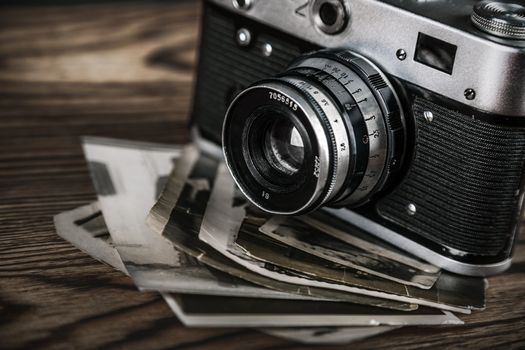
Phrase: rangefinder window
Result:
[435,53]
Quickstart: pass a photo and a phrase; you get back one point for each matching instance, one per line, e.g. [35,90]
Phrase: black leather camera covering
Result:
[465,182]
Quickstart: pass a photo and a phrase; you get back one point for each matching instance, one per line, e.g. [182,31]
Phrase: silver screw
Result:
[244,37]
[429,117]
[411,209]
[470,94]
[242,4]
[267,50]
[401,54]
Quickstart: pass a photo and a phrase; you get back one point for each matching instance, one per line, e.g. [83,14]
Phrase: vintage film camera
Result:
[409,116]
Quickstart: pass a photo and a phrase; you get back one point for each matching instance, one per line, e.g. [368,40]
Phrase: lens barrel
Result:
[328,131]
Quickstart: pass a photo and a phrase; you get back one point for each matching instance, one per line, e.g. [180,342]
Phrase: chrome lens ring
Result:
[337,133]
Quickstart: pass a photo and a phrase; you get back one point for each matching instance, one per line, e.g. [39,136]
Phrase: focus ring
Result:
[390,105]
[376,138]
[353,120]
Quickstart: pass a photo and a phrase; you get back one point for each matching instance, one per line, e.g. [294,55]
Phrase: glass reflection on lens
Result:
[283,149]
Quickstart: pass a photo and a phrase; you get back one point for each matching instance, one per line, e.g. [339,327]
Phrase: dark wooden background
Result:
[124,69]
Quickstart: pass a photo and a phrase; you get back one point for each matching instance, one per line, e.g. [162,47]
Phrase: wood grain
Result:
[124,69]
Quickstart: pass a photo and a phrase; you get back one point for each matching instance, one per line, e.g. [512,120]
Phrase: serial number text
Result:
[283,99]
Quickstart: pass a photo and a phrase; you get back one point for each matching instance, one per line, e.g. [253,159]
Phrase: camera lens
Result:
[328,131]
[273,145]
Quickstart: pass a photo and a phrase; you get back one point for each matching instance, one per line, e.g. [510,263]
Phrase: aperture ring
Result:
[330,116]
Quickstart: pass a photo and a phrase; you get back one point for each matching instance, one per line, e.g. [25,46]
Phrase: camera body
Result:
[455,187]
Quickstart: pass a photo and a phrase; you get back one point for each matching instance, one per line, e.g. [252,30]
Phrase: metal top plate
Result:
[495,70]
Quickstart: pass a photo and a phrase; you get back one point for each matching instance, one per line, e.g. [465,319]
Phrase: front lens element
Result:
[283,146]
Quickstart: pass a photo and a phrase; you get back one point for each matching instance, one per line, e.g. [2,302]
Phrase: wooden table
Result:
[124,69]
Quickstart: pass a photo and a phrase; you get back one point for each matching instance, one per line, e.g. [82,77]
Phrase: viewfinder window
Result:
[435,53]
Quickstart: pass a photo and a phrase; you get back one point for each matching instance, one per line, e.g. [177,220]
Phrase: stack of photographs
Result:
[172,219]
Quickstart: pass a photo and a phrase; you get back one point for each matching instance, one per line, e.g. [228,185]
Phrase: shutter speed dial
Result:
[505,20]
